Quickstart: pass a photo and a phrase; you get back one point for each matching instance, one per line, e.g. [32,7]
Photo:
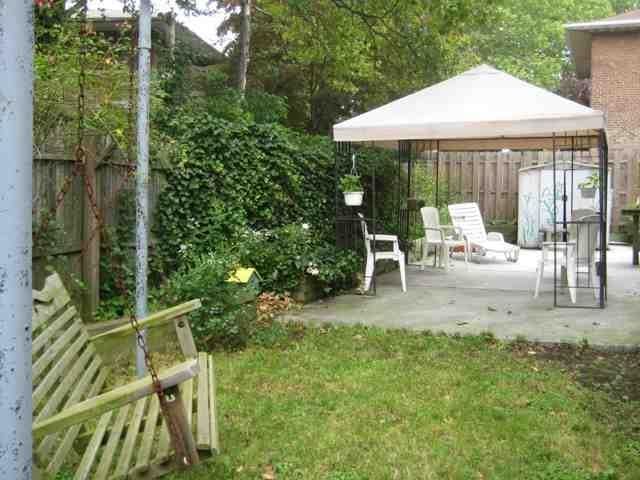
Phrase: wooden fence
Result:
[491,178]
[67,240]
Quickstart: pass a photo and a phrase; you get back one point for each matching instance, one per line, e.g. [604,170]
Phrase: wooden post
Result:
[173,411]
[91,234]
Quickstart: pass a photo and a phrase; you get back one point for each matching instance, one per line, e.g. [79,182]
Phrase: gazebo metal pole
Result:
[603,160]
[142,172]
[374,222]
[437,173]
[555,224]
[399,190]
[16,145]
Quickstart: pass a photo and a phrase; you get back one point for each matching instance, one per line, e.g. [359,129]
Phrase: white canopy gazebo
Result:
[482,109]
[478,109]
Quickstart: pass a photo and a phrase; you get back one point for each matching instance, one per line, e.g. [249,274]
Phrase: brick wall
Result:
[615,84]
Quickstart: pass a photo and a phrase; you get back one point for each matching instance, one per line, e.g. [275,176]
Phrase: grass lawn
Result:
[353,403]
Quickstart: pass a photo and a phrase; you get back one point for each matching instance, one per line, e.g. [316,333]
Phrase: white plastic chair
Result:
[586,232]
[565,257]
[577,256]
[434,235]
[467,217]
[396,254]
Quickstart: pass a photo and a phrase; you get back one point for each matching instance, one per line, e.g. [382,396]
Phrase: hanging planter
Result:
[590,186]
[351,186]
[352,190]
[353,199]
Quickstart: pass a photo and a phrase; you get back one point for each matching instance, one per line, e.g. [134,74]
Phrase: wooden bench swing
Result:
[119,433]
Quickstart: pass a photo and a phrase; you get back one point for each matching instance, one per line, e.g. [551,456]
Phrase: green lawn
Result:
[354,403]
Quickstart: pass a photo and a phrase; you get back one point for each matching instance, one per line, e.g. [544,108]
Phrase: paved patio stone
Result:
[494,296]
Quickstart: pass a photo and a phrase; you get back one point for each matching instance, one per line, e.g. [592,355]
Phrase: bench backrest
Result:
[65,366]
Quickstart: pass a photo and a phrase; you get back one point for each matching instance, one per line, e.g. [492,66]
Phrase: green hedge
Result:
[240,175]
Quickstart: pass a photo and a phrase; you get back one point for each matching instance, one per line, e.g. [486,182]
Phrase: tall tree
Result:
[244,40]
[527,37]
[332,58]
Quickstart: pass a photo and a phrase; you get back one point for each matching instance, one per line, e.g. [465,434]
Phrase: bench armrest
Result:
[113,399]
[154,320]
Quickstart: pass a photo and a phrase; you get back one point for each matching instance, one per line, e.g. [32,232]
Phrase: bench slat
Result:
[61,369]
[66,444]
[163,444]
[130,440]
[114,440]
[52,352]
[203,436]
[149,433]
[90,453]
[47,443]
[40,340]
[215,439]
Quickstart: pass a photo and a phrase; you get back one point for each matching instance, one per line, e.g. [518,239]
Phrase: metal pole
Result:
[437,173]
[555,226]
[16,145]
[142,169]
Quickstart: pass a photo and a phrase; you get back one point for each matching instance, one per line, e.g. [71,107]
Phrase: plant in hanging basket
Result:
[352,190]
[589,187]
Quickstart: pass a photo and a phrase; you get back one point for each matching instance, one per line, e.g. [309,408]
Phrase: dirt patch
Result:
[617,373]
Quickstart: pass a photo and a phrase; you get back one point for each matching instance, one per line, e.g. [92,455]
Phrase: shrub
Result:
[240,175]
[223,320]
[284,255]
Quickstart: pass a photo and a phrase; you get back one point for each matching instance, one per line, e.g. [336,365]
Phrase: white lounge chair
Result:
[435,235]
[467,217]
[396,254]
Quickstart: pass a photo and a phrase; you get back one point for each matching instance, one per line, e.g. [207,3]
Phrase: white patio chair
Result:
[577,256]
[467,217]
[565,257]
[586,233]
[434,235]
[396,254]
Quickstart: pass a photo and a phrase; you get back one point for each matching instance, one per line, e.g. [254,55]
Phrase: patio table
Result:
[634,213]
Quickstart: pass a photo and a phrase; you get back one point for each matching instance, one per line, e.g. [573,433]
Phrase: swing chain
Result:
[175,432]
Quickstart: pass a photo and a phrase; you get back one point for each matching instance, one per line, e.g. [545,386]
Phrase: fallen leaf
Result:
[269,473]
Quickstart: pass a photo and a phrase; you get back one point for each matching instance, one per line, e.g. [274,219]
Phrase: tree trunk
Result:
[245,39]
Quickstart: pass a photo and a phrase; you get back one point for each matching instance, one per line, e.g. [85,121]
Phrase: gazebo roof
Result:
[481,103]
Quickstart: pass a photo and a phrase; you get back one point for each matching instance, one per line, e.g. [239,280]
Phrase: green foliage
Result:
[223,321]
[117,262]
[57,62]
[526,38]
[265,107]
[284,255]
[237,175]
[591,182]
[350,183]
[64,475]
[330,58]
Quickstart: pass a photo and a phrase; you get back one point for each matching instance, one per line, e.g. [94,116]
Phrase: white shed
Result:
[536,198]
